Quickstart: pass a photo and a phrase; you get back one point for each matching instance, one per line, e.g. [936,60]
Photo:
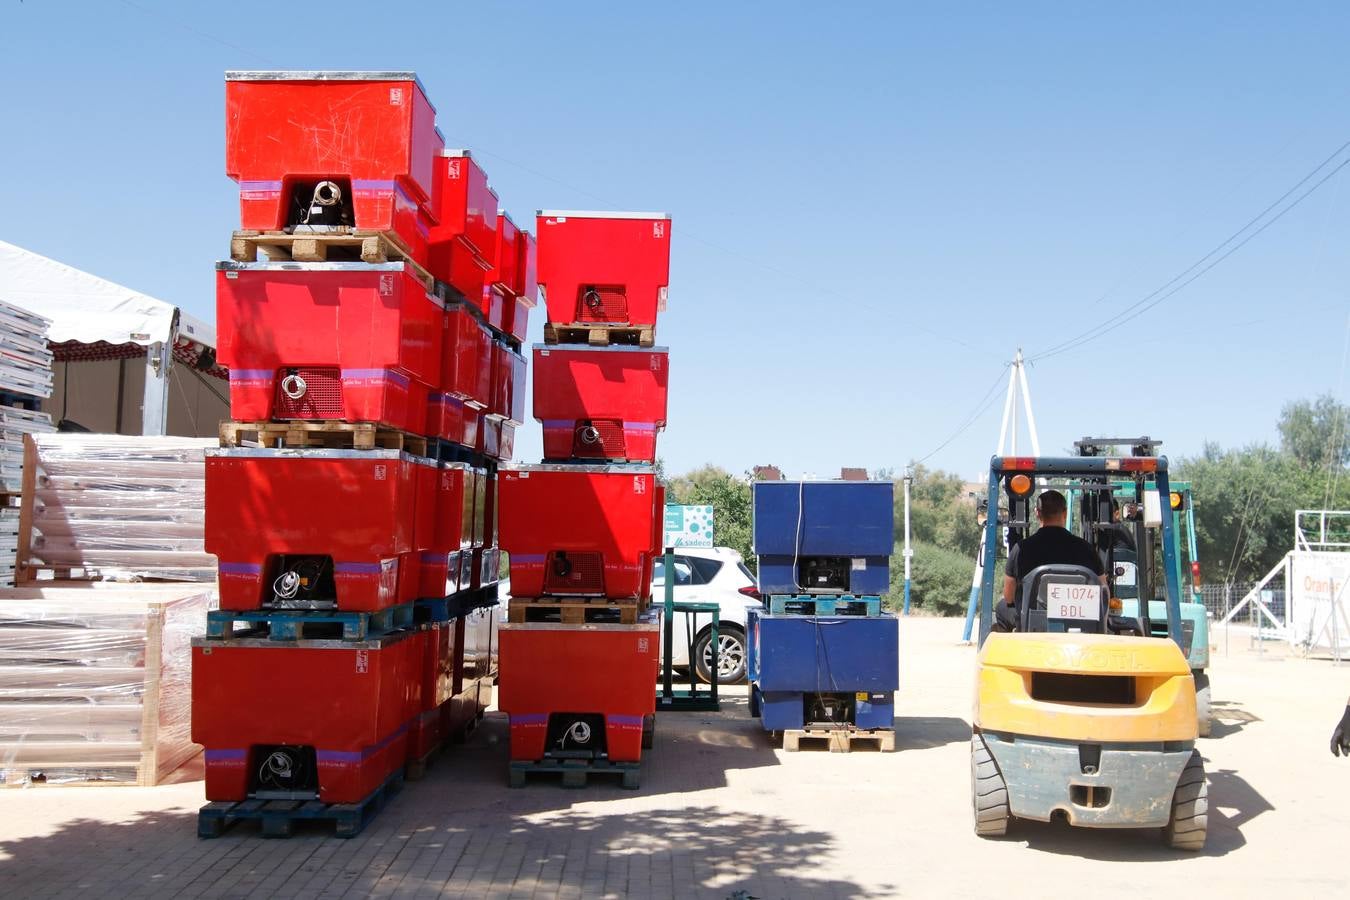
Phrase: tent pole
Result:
[155,402]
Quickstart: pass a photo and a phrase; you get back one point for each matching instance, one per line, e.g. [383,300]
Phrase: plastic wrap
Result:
[121,506]
[95,682]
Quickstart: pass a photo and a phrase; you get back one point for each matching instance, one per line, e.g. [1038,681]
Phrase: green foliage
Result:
[940,513]
[940,579]
[1245,499]
[1314,432]
[729,497]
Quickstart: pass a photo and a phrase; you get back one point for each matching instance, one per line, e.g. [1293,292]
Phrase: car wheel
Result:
[731,651]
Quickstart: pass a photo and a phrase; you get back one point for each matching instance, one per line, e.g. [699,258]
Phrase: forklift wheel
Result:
[1190,807]
[1202,707]
[988,791]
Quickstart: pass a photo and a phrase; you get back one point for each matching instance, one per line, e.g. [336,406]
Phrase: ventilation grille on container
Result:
[574,573]
[309,392]
[602,303]
[598,439]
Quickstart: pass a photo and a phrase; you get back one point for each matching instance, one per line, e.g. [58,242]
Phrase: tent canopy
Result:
[87,309]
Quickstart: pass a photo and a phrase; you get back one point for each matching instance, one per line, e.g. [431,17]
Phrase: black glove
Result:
[1340,738]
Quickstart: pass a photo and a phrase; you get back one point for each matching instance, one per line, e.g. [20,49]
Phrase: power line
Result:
[1205,263]
[981,407]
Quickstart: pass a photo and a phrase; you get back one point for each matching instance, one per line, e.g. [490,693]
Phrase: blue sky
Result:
[874,204]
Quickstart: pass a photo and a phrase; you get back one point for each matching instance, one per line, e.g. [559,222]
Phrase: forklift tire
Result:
[1189,821]
[988,791]
[1202,705]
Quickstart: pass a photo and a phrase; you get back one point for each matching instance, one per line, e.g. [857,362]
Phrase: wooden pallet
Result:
[327,434]
[576,772]
[354,245]
[278,817]
[839,740]
[569,611]
[318,624]
[600,334]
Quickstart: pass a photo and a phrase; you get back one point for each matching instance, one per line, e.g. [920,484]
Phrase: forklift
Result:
[1081,712]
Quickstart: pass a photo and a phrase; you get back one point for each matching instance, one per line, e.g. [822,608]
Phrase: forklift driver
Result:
[1052,544]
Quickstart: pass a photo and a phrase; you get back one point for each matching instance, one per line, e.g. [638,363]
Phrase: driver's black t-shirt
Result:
[1051,545]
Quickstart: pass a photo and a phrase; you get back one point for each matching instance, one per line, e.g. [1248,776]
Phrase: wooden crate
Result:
[95,680]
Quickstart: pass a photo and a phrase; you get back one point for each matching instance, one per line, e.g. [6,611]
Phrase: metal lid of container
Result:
[597,214]
[578,468]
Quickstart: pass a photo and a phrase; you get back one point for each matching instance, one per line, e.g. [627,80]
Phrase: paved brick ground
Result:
[722,814]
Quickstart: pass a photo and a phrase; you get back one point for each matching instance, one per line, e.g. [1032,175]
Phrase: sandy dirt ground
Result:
[723,814]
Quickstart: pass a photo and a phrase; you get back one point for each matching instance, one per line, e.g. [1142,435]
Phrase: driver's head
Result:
[1051,508]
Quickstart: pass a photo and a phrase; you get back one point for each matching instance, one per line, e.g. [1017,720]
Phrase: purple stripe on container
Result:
[528,557]
[558,423]
[357,568]
[239,568]
[371,184]
[377,375]
[222,755]
[237,374]
[529,719]
[623,720]
[260,185]
[365,752]
[639,426]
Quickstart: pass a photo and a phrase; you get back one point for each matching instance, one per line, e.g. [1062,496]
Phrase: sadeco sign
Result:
[689,526]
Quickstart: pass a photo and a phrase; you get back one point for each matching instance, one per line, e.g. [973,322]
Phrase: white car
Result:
[714,575]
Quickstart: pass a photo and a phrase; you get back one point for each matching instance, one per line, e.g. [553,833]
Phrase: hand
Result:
[1340,738]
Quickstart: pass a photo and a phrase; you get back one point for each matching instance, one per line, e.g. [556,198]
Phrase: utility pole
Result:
[1007,438]
[909,552]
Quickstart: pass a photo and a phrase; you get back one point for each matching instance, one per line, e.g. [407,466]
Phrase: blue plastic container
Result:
[791,656]
[847,524]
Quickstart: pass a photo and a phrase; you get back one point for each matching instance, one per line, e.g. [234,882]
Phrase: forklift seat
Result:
[1033,600]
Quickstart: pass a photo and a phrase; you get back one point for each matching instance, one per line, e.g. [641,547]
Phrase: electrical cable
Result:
[1215,256]
[981,407]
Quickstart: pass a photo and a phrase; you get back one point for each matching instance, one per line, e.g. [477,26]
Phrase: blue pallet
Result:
[311,624]
[455,606]
[824,605]
[278,817]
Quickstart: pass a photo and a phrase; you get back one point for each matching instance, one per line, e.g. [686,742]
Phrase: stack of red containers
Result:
[356,536]
[582,529]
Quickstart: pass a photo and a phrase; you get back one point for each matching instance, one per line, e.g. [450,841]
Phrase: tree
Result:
[939,579]
[729,497]
[940,513]
[1314,432]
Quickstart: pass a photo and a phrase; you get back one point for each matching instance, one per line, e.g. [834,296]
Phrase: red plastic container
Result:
[598,669]
[464,241]
[346,341]
[358,508]
[506,256]
[517,322]
[600,402]
[466,364]
[437,674]
[508,383]
[450,419]
[578,529]
[372,134]
[489,436]
[527,270]
[452,530]
[352,701]
[603,266]
[494,304]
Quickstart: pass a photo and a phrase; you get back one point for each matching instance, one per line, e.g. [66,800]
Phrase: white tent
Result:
[134,338]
